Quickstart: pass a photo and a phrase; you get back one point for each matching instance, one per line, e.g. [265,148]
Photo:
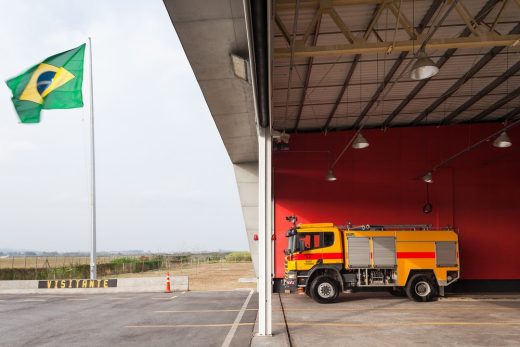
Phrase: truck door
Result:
[316,247]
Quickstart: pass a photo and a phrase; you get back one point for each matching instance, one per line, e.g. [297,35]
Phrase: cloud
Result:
[14,149]
[161,165]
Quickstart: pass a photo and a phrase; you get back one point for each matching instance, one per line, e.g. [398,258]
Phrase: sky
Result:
[164,180]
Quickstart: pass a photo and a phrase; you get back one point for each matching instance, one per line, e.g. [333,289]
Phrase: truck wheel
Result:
[324,289]
[421,288]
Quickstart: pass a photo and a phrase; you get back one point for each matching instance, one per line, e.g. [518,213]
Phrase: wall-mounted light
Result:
[239,67]
[280,140]
[360,142]
[357,141]
[428,177]
[330,176]
[502,141]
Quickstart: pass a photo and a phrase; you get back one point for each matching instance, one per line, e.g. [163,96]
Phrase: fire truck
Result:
[324,260]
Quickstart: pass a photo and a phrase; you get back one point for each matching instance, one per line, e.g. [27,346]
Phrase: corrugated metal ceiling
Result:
[328,73]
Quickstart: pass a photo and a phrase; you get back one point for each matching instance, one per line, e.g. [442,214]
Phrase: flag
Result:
[52,84]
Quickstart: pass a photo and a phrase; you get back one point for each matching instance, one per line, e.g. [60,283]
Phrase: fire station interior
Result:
[401,112]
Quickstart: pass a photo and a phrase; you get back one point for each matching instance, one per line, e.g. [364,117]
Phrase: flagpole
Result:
[93,173]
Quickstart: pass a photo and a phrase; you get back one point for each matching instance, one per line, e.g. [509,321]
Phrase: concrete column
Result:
[246,175]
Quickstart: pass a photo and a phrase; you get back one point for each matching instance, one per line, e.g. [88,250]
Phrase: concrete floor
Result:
[179,319]
[218,318]
[379,319]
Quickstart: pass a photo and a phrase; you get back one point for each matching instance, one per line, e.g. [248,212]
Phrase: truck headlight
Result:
[291,276]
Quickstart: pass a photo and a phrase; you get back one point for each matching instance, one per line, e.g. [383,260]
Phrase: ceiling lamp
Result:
[428,178]
[423,67]
[360,142]
[330,176]
[502,141]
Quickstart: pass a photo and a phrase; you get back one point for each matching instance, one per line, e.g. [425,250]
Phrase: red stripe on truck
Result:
[314,256]
[409,255]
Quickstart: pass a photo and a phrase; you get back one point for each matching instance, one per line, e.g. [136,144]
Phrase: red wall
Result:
[478,193]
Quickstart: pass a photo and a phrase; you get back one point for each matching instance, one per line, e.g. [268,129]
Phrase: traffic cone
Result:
[168,289]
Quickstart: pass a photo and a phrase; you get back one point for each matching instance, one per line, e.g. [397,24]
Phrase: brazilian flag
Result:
[52,84]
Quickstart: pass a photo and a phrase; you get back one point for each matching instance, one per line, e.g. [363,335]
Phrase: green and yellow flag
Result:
[52,84]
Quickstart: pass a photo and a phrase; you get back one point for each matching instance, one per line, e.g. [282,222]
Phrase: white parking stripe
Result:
[236,323]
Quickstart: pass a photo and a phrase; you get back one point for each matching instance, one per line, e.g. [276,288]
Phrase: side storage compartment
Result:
[384,252]
[446,253]
[358,252]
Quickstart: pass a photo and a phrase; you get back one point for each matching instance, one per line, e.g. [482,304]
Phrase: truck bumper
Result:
[290,282]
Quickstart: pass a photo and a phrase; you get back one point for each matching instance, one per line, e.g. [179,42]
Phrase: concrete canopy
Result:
[210,31]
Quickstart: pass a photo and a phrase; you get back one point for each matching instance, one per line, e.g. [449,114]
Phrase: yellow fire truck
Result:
[324,260]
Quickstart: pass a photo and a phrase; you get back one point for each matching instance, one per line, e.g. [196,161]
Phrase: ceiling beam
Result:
[308,73]
[282,28]
[481,15]
[289,4]
[496,106]
[461,81]
[343,102]
[378,10]
[424,22]
[483,92]
[487,40]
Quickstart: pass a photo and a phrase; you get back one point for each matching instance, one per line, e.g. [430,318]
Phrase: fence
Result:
[69,267]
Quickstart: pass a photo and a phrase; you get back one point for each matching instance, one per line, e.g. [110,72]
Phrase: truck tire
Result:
[421,288]
[324,289]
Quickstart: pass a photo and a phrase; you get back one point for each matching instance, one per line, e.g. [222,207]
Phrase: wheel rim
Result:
[422,288]
[326,290]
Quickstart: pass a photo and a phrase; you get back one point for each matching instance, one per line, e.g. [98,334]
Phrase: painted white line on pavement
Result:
[31,300]
[236,323]
[202,311]
[75,299]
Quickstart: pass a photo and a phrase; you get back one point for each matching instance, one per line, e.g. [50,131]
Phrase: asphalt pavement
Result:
[151,319]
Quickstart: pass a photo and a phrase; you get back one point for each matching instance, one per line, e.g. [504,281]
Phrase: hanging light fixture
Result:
[423,67]
[502,141]
[428,178]
[428,207]
[330,176]
[360,142]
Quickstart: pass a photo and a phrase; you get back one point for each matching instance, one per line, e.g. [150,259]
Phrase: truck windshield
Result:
[293,244]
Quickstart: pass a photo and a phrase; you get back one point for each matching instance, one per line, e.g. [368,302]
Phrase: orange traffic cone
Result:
[168,289]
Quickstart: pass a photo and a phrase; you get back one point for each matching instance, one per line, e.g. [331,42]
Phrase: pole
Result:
[93,173]
[264,285]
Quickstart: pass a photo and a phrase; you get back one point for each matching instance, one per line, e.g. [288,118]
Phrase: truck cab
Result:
[324,260]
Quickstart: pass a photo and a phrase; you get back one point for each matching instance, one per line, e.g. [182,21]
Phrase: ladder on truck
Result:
[382,227]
